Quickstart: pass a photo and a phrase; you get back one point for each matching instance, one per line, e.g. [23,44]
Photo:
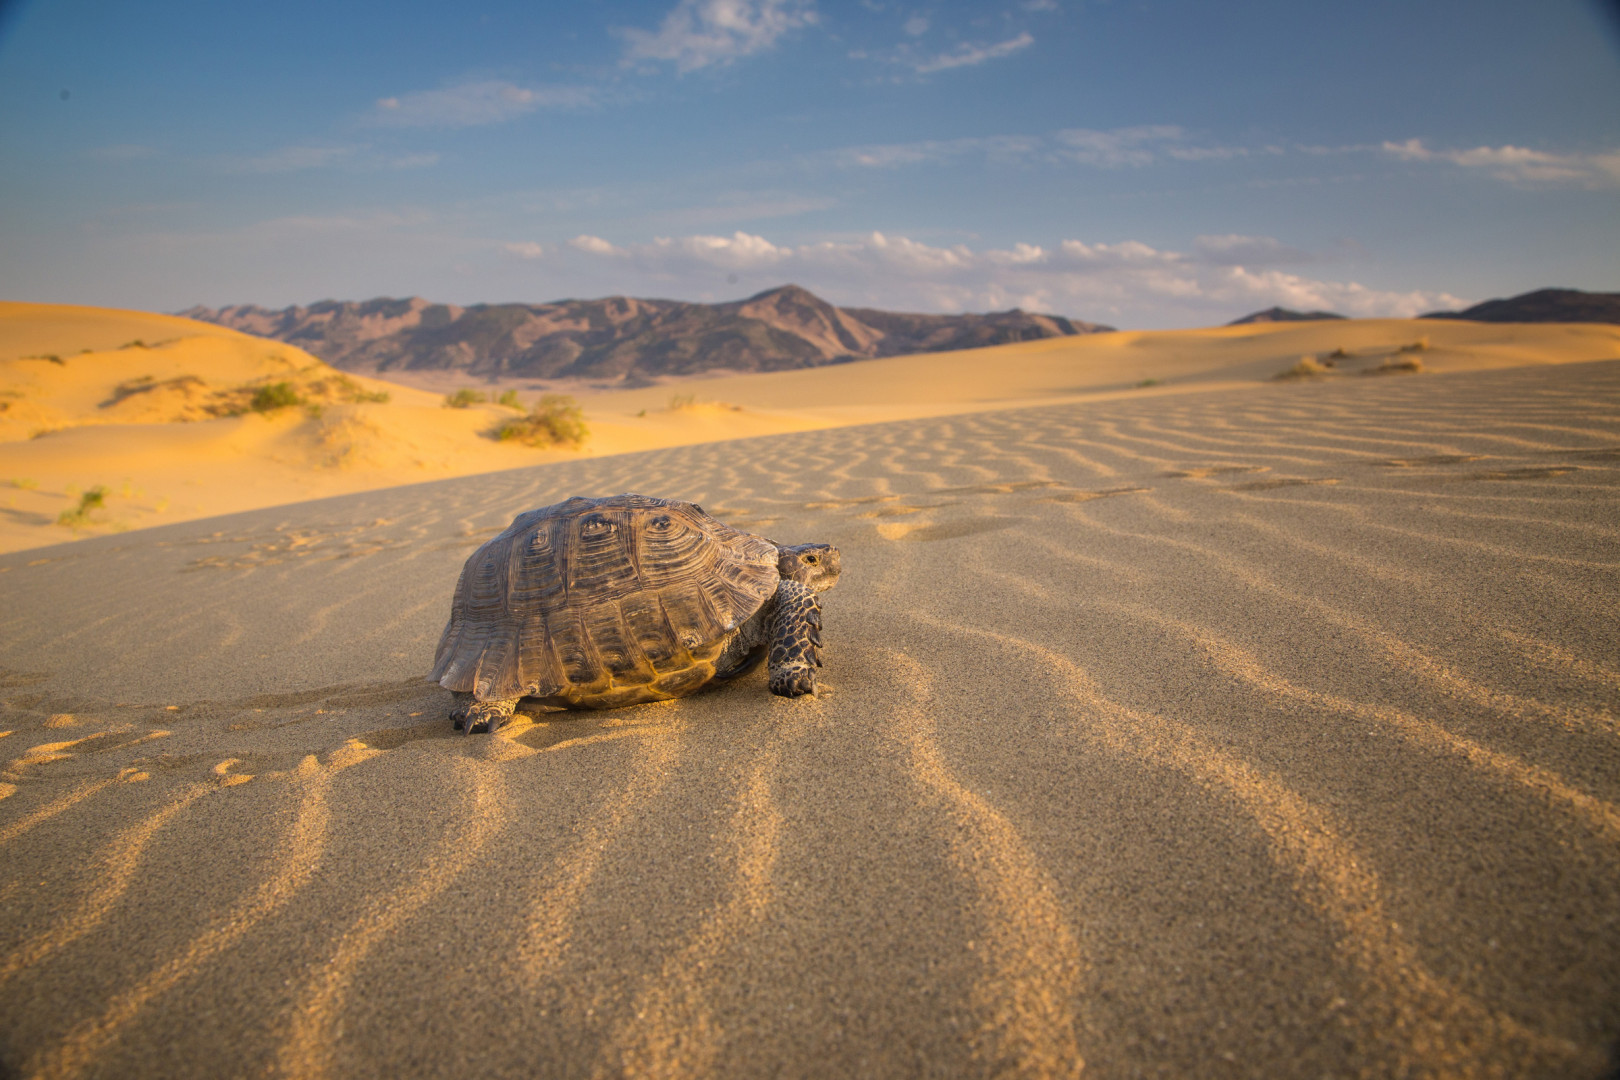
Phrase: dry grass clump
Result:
[1420,345]
[1396,364]
[76,517]
[278,395]
[1307,367]
[690,403]
[464,397]
[555,420]
[509,398]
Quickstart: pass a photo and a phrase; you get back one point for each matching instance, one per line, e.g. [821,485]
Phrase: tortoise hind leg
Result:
[471,715]
[795,640]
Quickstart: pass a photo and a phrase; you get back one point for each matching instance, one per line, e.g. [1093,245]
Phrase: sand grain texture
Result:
[1256,732]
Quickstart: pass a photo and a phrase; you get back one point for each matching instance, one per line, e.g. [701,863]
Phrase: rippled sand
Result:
[1267,732]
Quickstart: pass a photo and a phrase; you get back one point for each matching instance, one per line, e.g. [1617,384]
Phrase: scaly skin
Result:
[472,716]
[795,640]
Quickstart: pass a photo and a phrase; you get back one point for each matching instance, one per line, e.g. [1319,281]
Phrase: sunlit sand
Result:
[117,400]
[1223,726]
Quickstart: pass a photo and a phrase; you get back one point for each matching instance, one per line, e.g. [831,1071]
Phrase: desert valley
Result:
[1234,701]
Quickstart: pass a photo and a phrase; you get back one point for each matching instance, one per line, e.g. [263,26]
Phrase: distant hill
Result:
[622,338]
[1543,305]
[1282,314]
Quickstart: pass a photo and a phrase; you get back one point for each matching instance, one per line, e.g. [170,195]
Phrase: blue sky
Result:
[1145,163]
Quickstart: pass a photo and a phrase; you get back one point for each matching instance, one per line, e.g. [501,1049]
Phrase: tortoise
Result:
[602,603]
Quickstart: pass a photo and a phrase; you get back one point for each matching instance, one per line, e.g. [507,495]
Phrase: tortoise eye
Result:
[809,558]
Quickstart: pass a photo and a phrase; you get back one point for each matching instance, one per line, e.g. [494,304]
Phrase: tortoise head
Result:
[812,565]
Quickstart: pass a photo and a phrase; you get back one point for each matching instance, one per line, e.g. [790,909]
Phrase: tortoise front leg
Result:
[795,640]
[472,715]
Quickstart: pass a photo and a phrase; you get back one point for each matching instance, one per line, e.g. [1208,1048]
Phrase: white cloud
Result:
[593,245]
[1112,149]
[1102,281]
[524,249]
[473,104]
[916,26]
[971,55]
[698,33]
[1518,165]
[893,155]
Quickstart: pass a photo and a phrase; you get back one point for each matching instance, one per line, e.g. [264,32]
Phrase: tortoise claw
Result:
[793,681]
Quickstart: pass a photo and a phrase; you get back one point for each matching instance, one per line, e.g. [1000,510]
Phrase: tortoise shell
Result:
[602,602]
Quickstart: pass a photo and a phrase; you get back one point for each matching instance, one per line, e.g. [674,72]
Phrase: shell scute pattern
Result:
[628,597]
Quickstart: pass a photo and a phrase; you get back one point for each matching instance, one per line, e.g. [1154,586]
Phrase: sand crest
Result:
[158,412]
[1267,731]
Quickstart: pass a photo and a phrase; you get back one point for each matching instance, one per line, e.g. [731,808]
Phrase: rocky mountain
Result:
[1282,314]
[1543,305]
[621,338]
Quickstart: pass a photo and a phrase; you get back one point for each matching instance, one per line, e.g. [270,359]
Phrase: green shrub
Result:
[94,499]
[463,398]
[274,396]
[1420,345]
[555,420]
[1148,382]
[509,398]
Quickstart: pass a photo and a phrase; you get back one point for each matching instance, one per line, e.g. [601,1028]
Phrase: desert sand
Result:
[119,400]
[1223,728]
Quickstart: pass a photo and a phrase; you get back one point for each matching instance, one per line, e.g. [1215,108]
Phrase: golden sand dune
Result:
[1270,731]
[168,415]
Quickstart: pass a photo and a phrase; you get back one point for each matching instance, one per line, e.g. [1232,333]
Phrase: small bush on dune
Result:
[509,398]
[463,398]
[1307,367]
[1394,365]
[94,499]
[279,395]
[555,420]
[1420,345]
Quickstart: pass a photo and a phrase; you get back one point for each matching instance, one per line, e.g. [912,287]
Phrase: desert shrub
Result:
[136,344]
[682,401]
[1394,365]
[1148,382]
[274,396]
[24,483]
[555,420]
[1307,367]
[463,398]
[509,398]
[1338,354]
[1420,345]
[94,499]
[355,393]
[50,358]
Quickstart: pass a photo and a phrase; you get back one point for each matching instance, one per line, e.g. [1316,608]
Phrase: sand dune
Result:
[137,403]
[1260,731]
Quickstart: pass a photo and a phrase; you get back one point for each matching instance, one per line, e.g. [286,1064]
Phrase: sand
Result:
[74,415]
[1265,731]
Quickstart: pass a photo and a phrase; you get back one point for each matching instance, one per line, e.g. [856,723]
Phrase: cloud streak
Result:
[474,104]
[701,33]
[1226,275]
[1518,165]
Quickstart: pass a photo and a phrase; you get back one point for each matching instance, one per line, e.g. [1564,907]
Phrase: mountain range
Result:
[1543,305]
[621,339]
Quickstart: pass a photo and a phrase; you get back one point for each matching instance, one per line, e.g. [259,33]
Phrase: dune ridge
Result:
[1266,729]
[160,458]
